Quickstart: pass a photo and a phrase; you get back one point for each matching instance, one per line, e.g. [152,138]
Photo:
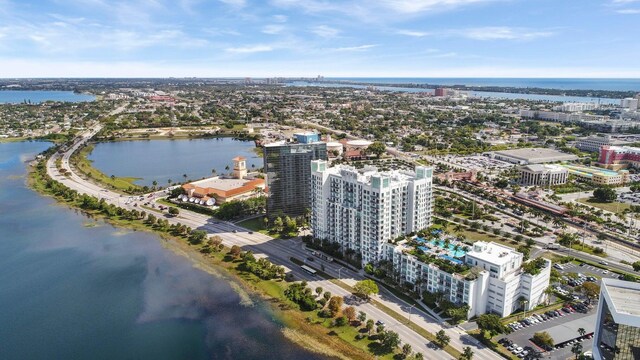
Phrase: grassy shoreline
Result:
[302,328]
[81,162]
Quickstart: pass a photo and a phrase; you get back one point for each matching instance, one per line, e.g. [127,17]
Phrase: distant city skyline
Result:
[350,38]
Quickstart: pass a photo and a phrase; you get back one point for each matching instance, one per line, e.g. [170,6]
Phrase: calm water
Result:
[546,83]
[163,160]
[70,291]
[38,96]
[481,94]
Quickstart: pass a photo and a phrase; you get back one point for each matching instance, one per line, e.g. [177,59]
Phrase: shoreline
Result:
[295,328]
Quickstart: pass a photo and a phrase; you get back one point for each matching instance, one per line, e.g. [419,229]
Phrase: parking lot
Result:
[588,270]
[629,198]
[562,327]
[478,162]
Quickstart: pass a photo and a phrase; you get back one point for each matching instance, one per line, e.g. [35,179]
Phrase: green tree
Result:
[235,251]
[197,237]
[173,211]
[590,290]
[576,349]
[467,354]
[362,316]
[543,339]
[491,323]
[442,338]
[636,266]
[377,148]
[581,331]
[278,225]
[369,326]
[406,350]
[604,194]
[319,290]
[365,288]
[389,340]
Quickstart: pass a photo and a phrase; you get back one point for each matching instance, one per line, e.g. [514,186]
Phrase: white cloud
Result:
[628,11]
[249,49]
[273,29]
[413,33]
[325,31]
[623,1]
[355,48]
[414,6]
[501,33]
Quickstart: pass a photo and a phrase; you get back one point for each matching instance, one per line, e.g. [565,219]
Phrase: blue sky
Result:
[408,38]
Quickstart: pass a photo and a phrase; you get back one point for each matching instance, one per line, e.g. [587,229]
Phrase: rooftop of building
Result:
[543,167]
[493,253]
[590,171]
[290,143]
[621,148]
[224,187]
[532,154]
[365,174]
[624,295]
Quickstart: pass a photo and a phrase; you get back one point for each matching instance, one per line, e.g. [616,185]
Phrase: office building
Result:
[543,175]
[594,143]
[617,335]
[363,209]
[616,157]
[489,277]
[288,170]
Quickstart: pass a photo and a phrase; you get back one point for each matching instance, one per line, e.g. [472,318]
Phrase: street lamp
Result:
[524,315]
[339,270]
[411,308]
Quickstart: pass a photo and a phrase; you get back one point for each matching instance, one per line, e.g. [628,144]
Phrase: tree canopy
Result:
[365,288]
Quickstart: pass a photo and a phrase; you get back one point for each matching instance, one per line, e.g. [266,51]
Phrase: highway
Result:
[280,252]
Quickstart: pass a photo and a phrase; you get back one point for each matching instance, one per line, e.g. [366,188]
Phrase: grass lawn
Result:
[614,207]
[86,167]
[257,224]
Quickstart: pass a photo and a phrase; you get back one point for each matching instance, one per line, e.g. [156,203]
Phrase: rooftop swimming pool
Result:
[441,244]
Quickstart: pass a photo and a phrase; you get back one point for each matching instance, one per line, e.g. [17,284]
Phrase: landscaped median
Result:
[397,316]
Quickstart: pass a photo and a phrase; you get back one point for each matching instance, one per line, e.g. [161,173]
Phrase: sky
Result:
[333,38]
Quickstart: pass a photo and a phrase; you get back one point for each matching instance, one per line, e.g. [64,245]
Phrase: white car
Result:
[605,272]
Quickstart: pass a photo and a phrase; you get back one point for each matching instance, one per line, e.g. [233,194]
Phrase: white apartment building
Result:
[629,103]
[543,175]
[363,209]
[560,116]
[575,107]
[495,282]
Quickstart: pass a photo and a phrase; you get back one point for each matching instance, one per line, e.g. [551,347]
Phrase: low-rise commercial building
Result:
[617,335]
[488,277]
[598,176]
[526,156]
[543,175]
[220,189]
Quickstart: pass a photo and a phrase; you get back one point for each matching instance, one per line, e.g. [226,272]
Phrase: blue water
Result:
[39,96]
[70,291]
[440,244]
[480,94]
[164,160]
[546,83]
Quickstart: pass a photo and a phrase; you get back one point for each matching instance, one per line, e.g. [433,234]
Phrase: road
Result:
[280,252]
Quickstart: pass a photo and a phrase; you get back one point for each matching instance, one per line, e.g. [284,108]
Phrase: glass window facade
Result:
[616,341]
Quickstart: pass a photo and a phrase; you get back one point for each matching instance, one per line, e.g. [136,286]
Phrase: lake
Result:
[163,160]
[39,96]
[74,288]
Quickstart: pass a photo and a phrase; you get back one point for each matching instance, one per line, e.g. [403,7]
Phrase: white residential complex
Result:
[494,280]
[363,209]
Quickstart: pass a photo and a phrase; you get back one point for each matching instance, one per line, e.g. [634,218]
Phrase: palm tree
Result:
[458,228]
[169,182]
[213,171]
[155,183]
[581,331]
[184,176]
[576,349]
